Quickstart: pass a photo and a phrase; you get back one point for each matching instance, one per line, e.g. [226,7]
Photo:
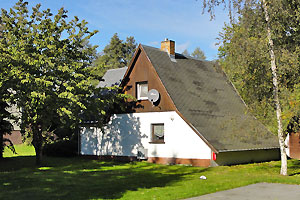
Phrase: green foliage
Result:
[198,54]
[292,112]
[233,6]
[116,54]
[6,117]
[185,53]
[245,58]
[6,126]
[49,63]
[66,130]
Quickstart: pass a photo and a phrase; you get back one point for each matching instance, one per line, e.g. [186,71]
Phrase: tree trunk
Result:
[38,154]
[38,145]
[283,170]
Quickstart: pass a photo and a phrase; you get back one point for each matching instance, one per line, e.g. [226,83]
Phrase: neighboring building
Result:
[112,77]
[188,113]
[293,138]
[293,145]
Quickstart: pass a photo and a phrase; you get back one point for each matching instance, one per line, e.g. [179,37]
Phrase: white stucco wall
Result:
[125,133]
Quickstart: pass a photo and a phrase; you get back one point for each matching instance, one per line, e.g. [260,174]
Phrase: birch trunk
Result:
[283,170]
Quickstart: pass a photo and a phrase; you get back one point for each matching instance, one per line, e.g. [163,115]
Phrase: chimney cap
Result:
[166,39]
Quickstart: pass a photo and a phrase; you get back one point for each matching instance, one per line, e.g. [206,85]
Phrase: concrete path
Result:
[259,191]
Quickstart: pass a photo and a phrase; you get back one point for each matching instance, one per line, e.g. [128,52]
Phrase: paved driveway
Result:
[259,191]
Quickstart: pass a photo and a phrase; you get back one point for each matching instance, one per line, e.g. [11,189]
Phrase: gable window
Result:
[142,90]
[158,133]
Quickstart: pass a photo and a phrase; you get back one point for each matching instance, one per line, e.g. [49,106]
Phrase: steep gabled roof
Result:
[208,101]
[112,77]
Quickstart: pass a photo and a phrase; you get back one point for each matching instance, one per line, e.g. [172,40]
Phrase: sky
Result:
[148,21]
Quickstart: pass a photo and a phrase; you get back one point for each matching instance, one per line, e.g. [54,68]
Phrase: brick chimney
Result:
[168,46]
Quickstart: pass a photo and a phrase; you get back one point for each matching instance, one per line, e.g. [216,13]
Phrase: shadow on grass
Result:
[16,163]
[76,178]
[294,164]
[294,167]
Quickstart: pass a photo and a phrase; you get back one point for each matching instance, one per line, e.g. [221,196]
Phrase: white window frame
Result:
[139,89]
[155,140]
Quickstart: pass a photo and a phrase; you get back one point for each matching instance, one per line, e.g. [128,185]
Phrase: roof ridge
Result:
[144,45]
[115,69]
[179,54]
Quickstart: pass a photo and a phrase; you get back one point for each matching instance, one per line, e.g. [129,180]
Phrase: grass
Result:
[81,178]
[22,150]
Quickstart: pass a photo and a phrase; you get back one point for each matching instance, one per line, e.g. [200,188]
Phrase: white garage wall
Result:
[125,133]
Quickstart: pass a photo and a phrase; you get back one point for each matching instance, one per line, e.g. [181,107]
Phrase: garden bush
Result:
[62,148]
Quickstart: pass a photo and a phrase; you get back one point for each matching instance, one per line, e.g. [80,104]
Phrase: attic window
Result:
[158,133]
[142,90]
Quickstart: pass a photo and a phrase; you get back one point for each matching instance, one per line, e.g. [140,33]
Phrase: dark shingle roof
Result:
[112,77]
[207,99]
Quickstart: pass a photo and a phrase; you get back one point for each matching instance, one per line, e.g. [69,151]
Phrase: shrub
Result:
[62,148]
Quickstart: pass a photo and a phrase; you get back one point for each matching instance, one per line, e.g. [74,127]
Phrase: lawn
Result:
[22,150]
[81,178]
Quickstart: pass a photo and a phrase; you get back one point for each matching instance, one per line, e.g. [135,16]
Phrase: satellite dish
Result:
[153,95]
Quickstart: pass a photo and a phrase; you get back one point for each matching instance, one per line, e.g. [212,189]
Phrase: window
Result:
[158,133]
[142,90]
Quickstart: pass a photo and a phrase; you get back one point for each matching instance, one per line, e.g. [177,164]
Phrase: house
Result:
[188,113]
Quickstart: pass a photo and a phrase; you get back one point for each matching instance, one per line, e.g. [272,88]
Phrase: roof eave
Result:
[129,67]
[251,149]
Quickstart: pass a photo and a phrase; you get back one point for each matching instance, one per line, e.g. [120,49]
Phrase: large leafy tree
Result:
[49,63]
[244,57]
[116,54]
[274,17]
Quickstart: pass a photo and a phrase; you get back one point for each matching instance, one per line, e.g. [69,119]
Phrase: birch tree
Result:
[281,137]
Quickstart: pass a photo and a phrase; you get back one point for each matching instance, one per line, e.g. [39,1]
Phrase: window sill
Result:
[157,142]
